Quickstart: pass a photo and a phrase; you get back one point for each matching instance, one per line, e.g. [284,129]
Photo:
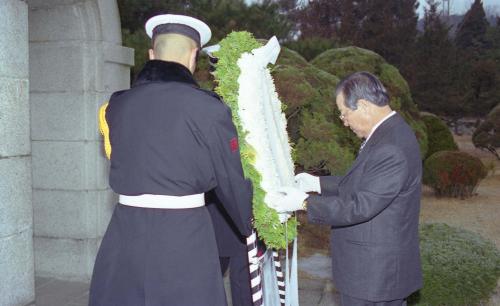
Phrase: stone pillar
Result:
[16,210]
[76,62]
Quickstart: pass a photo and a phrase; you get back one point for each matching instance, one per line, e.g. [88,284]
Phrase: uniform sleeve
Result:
[233,190]
[382,180]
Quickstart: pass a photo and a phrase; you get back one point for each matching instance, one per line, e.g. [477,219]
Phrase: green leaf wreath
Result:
[266,221]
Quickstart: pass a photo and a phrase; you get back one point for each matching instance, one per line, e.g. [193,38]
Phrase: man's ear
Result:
[192,59]
[151,54]
[364,105]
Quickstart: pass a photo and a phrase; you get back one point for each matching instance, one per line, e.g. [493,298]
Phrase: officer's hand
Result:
[307,182]
[286,199]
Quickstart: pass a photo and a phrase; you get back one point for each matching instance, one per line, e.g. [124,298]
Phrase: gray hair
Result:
[362,85]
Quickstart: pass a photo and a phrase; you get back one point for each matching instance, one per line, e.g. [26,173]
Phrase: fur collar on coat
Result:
[163,71]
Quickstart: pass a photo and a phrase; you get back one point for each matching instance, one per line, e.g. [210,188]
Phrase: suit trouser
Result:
[239,277]
[346,300]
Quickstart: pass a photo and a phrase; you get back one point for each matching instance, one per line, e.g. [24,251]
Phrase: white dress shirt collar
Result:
[378,124]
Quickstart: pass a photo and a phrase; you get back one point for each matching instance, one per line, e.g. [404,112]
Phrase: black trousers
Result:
[239,277]
[346,300]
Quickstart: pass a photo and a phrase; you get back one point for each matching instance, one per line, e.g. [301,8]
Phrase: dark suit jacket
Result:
[374,211]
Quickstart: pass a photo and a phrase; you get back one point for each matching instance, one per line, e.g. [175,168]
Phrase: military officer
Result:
[170,143]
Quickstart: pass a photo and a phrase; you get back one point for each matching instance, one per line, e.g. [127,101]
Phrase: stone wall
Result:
[16,225]
[76,62]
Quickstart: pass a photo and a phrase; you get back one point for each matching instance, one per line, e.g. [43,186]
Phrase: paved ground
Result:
[53,292]
[315,287]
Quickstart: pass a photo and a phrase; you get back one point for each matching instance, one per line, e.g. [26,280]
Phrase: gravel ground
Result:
[480,213]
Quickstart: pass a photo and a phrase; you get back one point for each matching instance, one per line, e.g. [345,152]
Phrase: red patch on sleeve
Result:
[233,143]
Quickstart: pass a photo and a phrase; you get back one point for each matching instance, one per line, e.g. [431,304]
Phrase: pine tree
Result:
[477,76]
[389,27]
[471,32]
[376,25]
[320,18]
[348,31]
[434,60]
[493,37]
[264,19]
[134,13]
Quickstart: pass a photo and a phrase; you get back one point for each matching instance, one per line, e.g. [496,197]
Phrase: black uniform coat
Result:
[374,211]
[229,240]
[168,137]
[232,252]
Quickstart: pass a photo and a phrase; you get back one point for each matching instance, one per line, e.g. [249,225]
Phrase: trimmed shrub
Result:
[487,135]
[309,48]
[459,267]
[343,61]
[322,144]
[291,57]
[453,173]
[438,135]
[202,74]
[323,149]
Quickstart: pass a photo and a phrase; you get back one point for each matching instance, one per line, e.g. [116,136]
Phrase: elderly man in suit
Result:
[373,209]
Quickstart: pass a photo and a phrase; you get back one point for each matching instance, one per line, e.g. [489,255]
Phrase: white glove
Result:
[286,199]
[307,182]
[274,197]
[284,217]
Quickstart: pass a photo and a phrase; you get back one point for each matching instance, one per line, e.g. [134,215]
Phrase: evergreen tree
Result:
[477,75]
[320,18]
[434,60]
[264,19]
[493,37]
[484,92]
[389,27]
[471,32]
[349,31]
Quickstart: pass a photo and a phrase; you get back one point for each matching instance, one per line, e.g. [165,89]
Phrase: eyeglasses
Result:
[342,116]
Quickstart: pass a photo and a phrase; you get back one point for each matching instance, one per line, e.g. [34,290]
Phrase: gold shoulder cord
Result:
[104,129]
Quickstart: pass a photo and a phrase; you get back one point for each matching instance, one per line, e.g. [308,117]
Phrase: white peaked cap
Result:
[196,24]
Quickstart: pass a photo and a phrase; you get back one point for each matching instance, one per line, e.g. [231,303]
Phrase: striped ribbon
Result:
[279,276]
[255,272]
[212,61]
